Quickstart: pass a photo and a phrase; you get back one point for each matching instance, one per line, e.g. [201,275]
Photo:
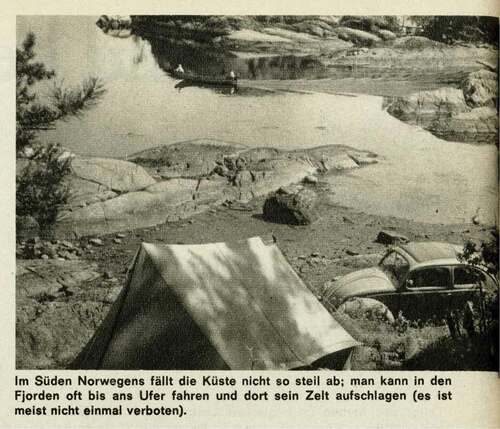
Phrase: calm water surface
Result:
[421,177]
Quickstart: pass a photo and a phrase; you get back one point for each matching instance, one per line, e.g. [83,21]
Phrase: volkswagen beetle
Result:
[422,280]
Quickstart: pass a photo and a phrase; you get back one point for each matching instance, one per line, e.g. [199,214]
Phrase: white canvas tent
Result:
[215,306]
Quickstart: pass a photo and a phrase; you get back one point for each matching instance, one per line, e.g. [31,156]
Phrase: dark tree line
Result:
[449,29]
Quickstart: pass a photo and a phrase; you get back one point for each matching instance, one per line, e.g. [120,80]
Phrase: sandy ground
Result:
[339,234]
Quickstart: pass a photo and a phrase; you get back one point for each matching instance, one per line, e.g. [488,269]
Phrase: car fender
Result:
[360,283]
[366,307]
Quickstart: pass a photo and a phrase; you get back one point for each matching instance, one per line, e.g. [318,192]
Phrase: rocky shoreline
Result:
[468,113]
[174,182]
[374,54]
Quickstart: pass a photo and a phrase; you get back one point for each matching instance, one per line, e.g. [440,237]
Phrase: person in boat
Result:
[179,69]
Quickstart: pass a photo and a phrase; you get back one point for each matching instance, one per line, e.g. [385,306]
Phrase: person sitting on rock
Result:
[179,69]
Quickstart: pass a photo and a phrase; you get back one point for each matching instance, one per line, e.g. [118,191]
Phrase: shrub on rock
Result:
[40,190]
[416,42]
[370,23]
[27,227]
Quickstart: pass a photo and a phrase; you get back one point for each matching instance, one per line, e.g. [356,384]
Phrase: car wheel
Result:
[367,307]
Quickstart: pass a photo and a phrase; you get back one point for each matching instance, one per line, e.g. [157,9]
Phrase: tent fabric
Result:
[233,305]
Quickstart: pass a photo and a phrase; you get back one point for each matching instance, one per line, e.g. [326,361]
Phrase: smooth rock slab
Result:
[339,162]
[358,37]
[114,174]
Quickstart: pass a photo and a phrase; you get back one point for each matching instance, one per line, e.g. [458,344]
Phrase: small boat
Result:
[207,80]
[222,89]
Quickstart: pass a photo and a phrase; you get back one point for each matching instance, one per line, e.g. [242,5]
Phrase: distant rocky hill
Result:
[263,33]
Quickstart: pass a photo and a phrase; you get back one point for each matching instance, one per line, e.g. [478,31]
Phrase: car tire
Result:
[367,307]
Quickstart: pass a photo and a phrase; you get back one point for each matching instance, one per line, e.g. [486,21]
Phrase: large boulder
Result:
[368,308]
[479,125]
[293,205]
[390,237]
[481,89]
[468,114]
[114,174]
[416,106]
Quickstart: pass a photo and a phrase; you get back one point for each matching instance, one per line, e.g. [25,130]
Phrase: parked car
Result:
[423,280]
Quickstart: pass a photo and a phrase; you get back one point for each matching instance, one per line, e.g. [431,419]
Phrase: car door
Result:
[426,293]
[395,266]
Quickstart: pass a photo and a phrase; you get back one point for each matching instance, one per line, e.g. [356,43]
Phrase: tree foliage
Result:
[449,29]
[29,113]
[484,254]
[371,23]
[40,190]
[33,115]
[40,187]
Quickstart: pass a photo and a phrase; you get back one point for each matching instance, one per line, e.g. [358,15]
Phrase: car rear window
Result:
[467,277]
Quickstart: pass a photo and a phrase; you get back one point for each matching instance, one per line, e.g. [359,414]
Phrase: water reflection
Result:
[220,89]
[207,67]
[217,63]
[212,63]
[236,89]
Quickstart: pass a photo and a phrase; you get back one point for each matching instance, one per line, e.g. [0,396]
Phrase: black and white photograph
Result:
[257,192]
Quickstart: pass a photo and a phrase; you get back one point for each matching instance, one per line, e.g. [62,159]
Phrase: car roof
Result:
[451,262]
[431,251]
